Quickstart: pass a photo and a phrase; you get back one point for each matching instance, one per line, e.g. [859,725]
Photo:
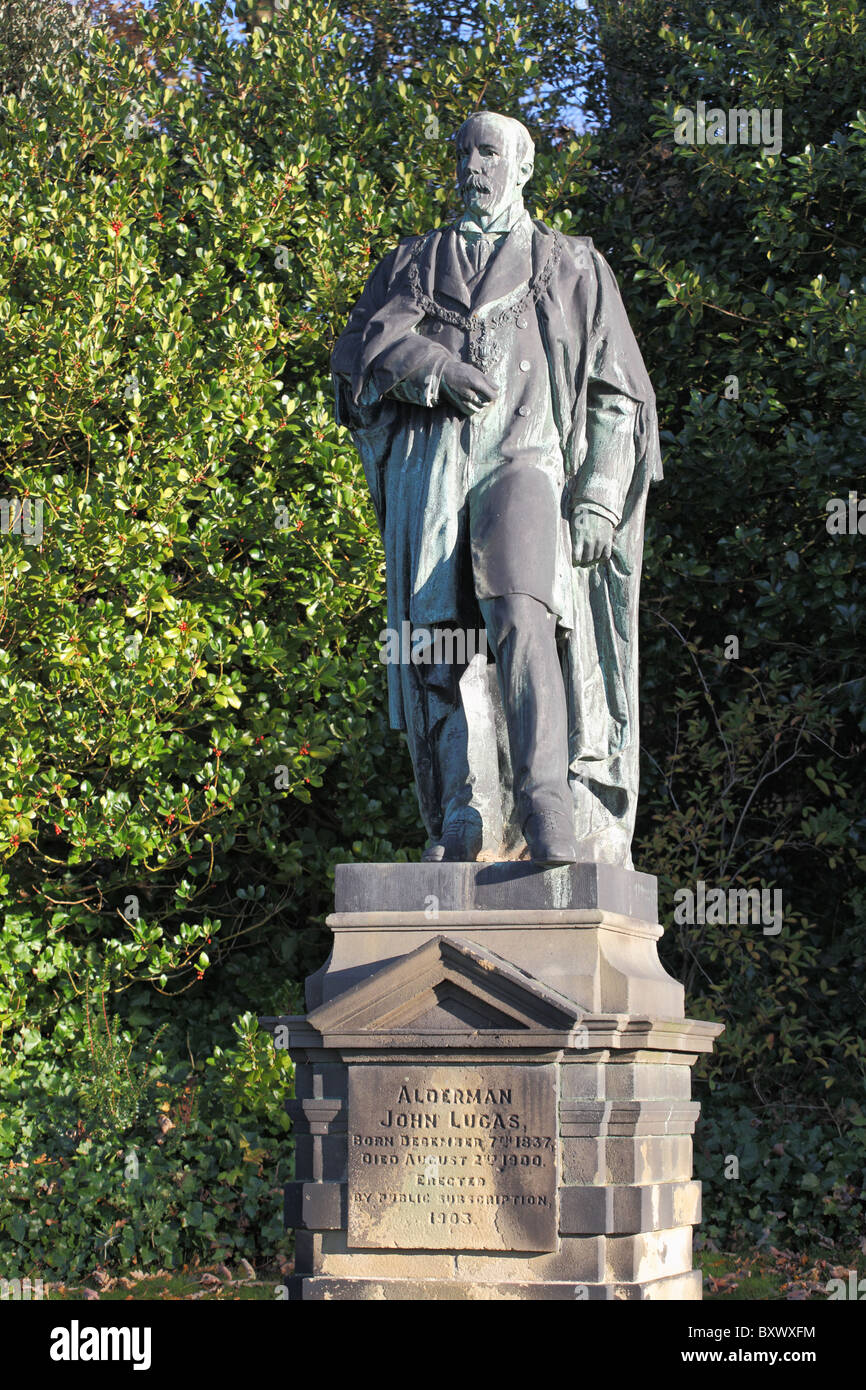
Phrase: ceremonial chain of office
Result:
[483,348]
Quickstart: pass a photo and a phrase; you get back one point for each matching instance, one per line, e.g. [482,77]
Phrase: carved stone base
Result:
[673,1286]
[489,1107]
[589,930]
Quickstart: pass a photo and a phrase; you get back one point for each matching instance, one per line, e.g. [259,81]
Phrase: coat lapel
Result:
[448,271]
[509,266]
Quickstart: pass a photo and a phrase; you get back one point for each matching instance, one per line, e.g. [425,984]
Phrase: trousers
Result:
[521,631]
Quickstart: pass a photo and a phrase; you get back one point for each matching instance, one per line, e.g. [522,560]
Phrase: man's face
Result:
[489,173]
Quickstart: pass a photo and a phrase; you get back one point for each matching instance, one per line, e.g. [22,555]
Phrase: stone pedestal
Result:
[492,1091]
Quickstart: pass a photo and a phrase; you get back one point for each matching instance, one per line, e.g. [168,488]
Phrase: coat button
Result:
[524,410]
[521,323]
[525,364]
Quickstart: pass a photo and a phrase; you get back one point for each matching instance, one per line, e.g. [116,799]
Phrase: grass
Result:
[767,1276]
[217,1285]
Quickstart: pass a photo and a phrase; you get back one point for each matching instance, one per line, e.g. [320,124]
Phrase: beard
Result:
[477,193]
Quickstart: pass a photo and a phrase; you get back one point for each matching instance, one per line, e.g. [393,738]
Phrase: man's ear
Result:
[524,173]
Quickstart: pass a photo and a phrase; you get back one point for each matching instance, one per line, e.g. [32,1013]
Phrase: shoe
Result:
[550,837]
[460,844]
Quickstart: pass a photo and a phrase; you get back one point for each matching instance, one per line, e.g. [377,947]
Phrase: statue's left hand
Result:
[591,537]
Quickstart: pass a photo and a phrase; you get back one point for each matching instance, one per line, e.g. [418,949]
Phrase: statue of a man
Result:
[507,428]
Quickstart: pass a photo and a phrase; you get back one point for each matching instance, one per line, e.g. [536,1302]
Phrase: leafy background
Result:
[191,196]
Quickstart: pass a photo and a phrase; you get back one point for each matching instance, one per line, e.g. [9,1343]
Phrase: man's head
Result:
[495,156]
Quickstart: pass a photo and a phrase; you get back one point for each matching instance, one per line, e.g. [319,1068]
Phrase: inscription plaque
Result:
[452,1157]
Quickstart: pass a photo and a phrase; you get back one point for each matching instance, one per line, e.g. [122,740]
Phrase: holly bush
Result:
[195,729]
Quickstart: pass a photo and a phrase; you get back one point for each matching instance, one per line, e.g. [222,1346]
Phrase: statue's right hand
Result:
[469,389]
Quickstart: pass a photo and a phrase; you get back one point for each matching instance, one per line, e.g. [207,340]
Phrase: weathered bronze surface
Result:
[507,429]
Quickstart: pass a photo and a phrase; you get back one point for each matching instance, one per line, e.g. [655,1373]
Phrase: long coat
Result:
[416,312]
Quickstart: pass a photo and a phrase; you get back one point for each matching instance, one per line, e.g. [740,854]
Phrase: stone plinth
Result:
[589,930]
[493,1091]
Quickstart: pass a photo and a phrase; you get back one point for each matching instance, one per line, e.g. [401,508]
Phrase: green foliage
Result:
[115,1094]
[189,655]
[34,33]
[743,272]
[195,1177]
[798,1181]
[195,728]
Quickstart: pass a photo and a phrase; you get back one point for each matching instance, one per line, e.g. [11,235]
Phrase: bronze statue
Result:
[507,429]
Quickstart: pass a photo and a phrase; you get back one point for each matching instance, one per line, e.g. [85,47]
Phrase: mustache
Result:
[473,183]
